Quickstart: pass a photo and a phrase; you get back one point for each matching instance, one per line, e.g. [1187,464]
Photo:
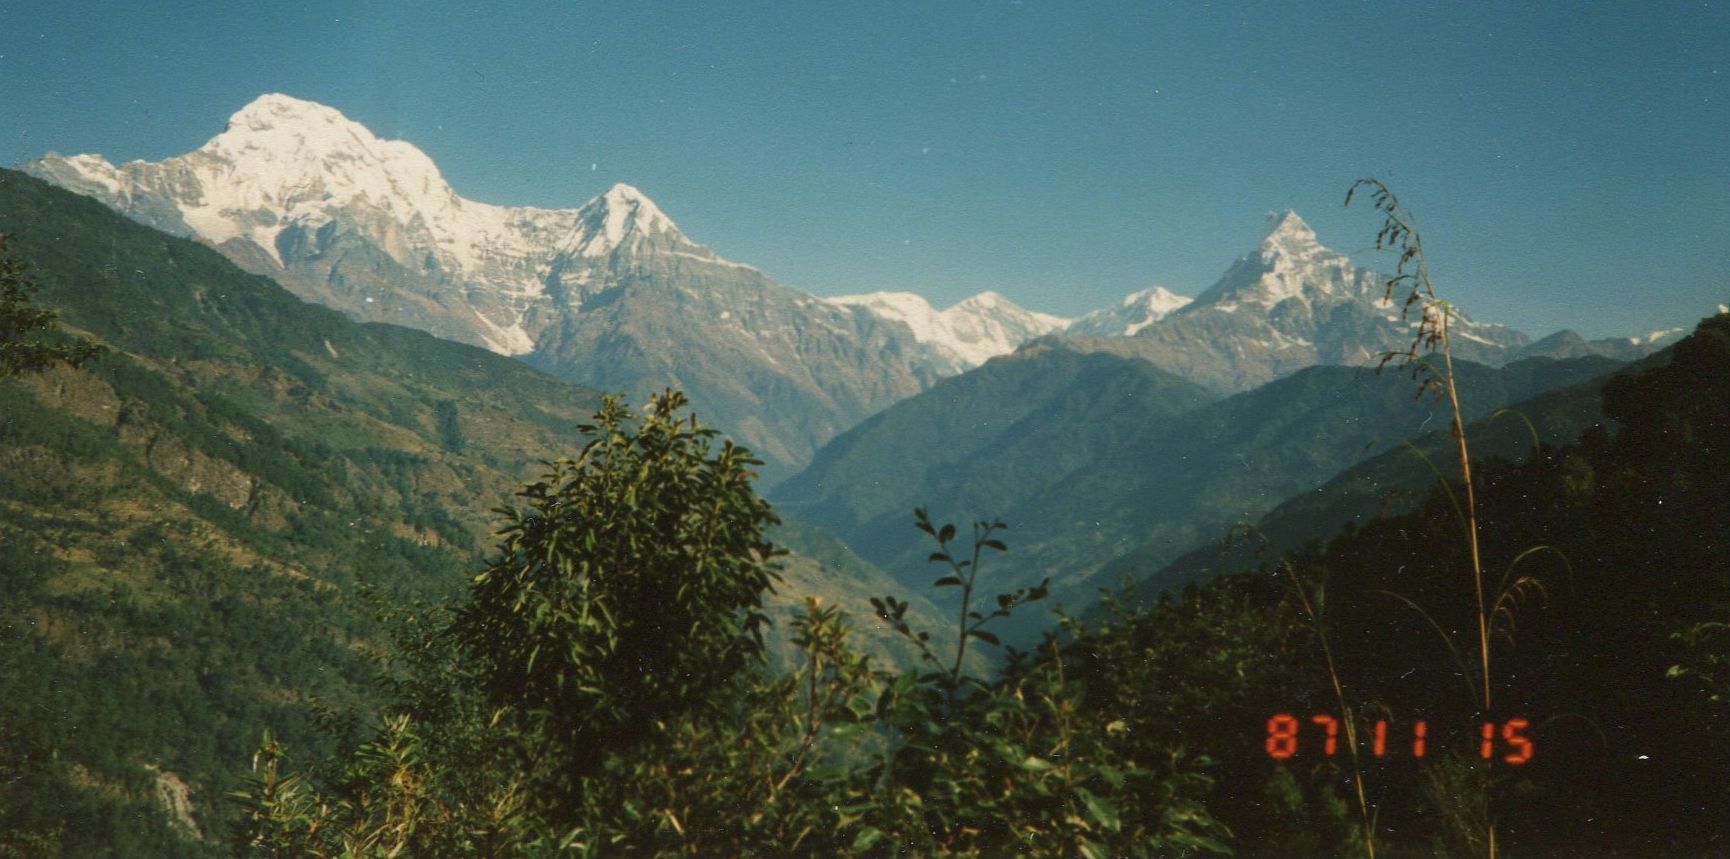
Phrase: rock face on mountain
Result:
[1291,304]
[610,295]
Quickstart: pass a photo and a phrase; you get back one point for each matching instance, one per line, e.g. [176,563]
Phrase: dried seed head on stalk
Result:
[1412,277]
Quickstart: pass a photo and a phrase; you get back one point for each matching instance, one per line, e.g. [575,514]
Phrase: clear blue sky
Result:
[1570,165]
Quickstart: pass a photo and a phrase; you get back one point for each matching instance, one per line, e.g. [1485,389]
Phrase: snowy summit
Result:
[969,333]
[289,176]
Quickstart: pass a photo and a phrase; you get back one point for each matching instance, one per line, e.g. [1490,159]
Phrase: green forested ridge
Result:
[1391,481]
[1092,457]
[1047,405]
[1629,751]
[184,524]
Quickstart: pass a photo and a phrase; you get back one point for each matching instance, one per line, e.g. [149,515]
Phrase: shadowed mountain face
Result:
[1088,457]
[1393,481]
[981,445]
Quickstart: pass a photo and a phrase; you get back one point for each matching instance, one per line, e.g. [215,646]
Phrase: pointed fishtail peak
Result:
[627,198]
[1290,237]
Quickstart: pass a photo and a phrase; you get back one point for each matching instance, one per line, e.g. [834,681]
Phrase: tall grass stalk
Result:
[1399,232]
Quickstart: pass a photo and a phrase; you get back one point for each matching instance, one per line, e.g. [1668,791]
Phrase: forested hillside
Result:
[1390,482]
[1609,587]
[1325,704]
[197,530]
[186,524]
[1092,457]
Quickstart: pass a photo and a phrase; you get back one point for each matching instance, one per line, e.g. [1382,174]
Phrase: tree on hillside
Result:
[601,691]
[629,592]
[22,346]
[618,627]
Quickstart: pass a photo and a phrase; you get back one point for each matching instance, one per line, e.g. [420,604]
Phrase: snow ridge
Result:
[969,333]
[1137,311]
[285,164]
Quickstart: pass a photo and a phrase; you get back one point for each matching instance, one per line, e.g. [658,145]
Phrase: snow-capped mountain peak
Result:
[968,333]
[1290,304]
[302,161]
[274,108]
[1291,237]
[288,179]
[612,219]
[293,149]
[1136,311]
[1291,265]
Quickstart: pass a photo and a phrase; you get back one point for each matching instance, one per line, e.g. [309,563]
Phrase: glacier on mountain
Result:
[969,333]
[286,172]
[1135,312]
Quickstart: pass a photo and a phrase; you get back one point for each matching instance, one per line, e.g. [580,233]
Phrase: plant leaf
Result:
[1100,809]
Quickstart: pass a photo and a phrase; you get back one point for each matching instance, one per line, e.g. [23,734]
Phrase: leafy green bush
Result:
[602,691]
[629,592]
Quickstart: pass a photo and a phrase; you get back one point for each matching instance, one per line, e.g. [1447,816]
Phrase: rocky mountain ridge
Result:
[967,334]
[614,296]
[610,294]
[1293,303]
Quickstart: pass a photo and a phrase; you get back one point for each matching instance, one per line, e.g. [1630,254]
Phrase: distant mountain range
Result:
[612,295]
[1137,311]
[967,334]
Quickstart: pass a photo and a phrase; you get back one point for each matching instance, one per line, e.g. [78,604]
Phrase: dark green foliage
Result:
[1022,766]
[23,346]
[1585,651]
[184,523]
[449,424]
[600,692]
[630,590]
[600,688]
